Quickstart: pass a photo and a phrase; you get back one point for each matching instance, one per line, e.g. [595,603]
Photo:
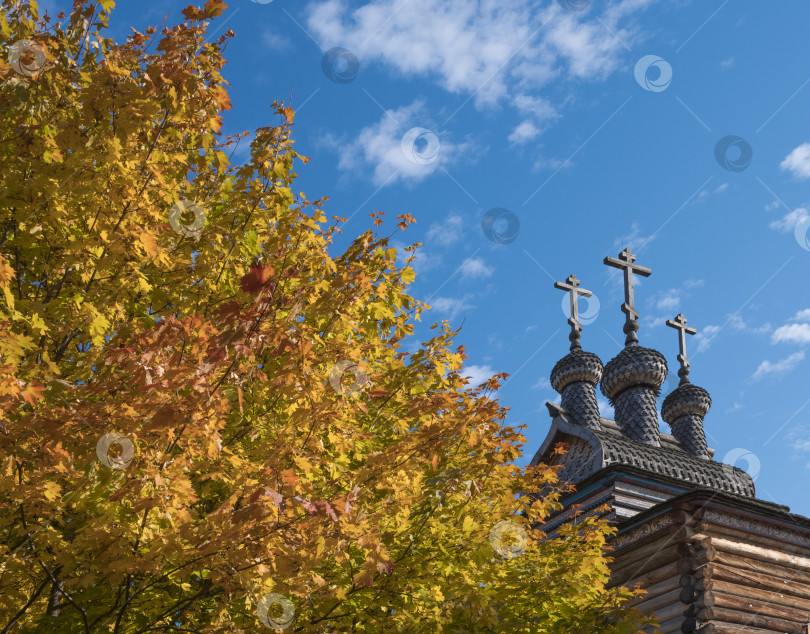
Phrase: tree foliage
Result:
[207,422]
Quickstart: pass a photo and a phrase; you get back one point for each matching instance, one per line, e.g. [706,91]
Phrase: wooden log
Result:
[763,554]
[690,624]
[739,562]
[734,628]
[685,581]
[686,565]
[754,579]
[660,602]
[668,613]
[669,627]
[654,576]
[624,572]
[764,541]
[768,623]
[746,607]
[648,556]
[757,596]
[706,554]
[688,595]
[667,585]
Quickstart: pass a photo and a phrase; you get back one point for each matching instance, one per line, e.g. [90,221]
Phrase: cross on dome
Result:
[571,285]
[679,323]
[626,262]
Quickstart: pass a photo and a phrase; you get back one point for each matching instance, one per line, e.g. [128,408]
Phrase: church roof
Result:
[590,450]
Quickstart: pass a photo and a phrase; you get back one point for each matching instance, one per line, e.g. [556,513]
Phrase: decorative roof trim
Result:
[667,462]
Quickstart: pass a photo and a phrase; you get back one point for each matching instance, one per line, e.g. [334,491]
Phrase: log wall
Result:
[707,578]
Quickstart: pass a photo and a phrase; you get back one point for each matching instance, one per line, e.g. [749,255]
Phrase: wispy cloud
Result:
[448,231]
[487,50]
[797,332]
[736,323]
[380,146]
[475,268]
[477,373]
[449,306]
[792,333]
[798,161]
[276,41]
[789,221]
[778,368]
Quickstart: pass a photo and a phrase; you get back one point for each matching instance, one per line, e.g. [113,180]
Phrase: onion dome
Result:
[575,377]
[631,382]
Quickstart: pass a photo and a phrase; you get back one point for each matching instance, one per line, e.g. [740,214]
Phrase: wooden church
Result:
[711,556]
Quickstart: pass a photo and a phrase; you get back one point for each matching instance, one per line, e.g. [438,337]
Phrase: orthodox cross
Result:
[679,323]
[626,263]
[571,285]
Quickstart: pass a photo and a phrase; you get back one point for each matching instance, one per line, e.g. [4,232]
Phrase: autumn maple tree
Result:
[207,420]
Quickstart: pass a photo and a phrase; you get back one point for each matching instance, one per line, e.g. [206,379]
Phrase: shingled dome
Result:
[575,377]
[632,381]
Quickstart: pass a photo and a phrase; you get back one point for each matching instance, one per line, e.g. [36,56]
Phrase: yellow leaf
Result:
[52,491]
[149,244]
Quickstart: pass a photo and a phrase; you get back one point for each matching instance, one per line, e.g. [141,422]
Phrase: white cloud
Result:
[772,205]
[483,48]
[734,408]
[525,131]
[541,109]
[727,63]
[669,300]
[473,268]
[792,333]
[447,232]
[477,373]
[449,306]
[737,323]
[705,193]
[542,384]
[790,220]
[379,145]
[276,41]
[704,337]
[798,161]
[426,261]
[633,239]
[802,315]
[767,368]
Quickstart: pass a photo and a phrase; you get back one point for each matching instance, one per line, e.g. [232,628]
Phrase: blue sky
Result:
[678,129]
